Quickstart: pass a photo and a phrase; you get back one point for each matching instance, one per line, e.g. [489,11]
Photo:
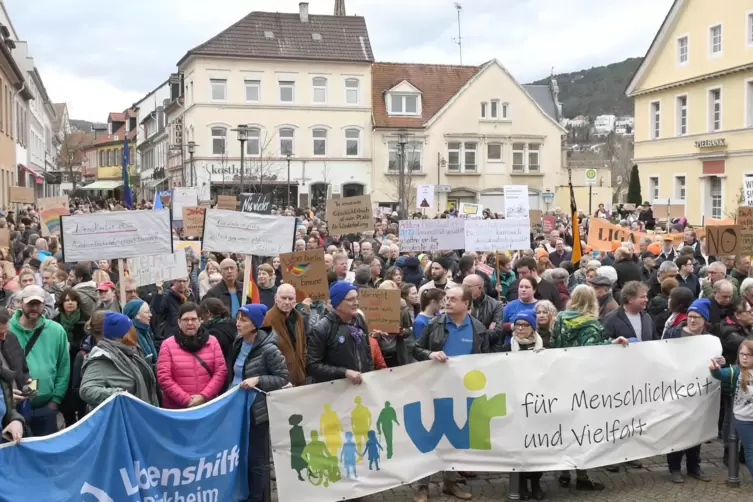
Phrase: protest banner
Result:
[193,221]
[4,238]
[350,215]
[493,235]
[247,233]
[228,202]
[381,308]
[22,195]
[748,189]
[307,272]
[123,234]
[50,211]
[723,240]
[183,197]
[556,410]
[745,221]
[256,203]
[516,201]
[431,235]
[135,451]
[601,235]
[153,269]
[548,223]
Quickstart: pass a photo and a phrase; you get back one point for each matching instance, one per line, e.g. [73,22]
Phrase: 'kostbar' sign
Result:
[711,143]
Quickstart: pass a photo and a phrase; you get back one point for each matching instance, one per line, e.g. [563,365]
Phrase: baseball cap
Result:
[105,285]
[32,293]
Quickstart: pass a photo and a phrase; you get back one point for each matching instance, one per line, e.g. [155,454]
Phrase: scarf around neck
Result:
[69,321]
[295,353]
[192,343]
[128,360]
[537,342]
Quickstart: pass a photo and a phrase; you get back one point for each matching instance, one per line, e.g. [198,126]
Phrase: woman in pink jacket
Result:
[191,369]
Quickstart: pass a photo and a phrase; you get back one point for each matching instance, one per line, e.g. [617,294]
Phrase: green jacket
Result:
[102,377]
[10,414]
[49,361]
[574,329]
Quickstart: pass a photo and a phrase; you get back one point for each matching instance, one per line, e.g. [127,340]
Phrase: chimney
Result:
[304,11]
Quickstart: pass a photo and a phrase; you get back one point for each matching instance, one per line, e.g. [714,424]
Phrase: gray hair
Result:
[547,275]
[718,285]
[667,266]
[593,265]
[646,240]
[718,266]
[745,286]
[560,276]
[609,272]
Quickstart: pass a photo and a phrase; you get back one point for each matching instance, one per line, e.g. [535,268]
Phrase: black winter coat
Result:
[544,291]
[617,324]
[167,306]
[225,331]
[412,272]
[627,270]
[489,311]
[221,292]
[17,371]
[331,349]
[732,335]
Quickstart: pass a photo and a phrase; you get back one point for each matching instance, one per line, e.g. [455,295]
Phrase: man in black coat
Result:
[631,320]
[685,276]
[627,267]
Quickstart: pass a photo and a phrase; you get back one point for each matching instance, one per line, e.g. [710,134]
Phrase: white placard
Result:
[247,233]
[497,235]
[185,196]
[424,197]
[748,190]
[516,201]
[118,234]
[152,269]
[548,411]
[432,235]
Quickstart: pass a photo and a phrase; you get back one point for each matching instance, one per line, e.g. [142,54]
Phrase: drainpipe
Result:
[14,121]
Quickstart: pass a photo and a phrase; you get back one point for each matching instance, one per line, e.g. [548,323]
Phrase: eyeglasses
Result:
[745,354]
[189,320]
[521,325]
[695,318]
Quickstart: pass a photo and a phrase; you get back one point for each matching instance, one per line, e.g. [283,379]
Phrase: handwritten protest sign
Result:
[748,189]
[723,240]
[228,202]
[503,235]
[381,308]
[535,216]
[745,221]
[193,221]
[307,272]
[50,211]
[4,238]
[516,201]
[256,203]
[350,215]
[22,195]
[432,235]
[548,223]
[122,234]
[153,269]
[601,235]
[247,233]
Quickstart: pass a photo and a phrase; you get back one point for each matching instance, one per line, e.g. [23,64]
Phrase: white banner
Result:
[152,269]
[516,201]
[548,411]
[497,235]
[119,234]
[186,196]
[748,190]
[247,233]
[432,235]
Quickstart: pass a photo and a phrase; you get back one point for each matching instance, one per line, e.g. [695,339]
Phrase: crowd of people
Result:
[69,341]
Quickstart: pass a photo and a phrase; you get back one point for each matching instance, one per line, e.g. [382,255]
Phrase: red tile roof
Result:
[437,83]
[111,138]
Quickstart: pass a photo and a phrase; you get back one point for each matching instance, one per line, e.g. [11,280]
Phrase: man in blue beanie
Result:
[339,344]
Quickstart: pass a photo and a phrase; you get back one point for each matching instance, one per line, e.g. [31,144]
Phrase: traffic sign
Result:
[590,176]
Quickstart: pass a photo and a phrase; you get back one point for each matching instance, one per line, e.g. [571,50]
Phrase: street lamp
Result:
[191,150]
[289,156]
[402,140]
[242,131]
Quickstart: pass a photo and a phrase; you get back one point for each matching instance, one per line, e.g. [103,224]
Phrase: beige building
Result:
[694,109]
[11,82]
[474,128]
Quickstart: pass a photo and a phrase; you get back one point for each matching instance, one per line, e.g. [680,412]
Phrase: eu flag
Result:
[127,192]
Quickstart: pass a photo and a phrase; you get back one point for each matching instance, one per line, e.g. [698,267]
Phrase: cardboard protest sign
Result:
[381,308]
[535,216]
[22,195]
[229,202]
[745,221]
[548,223]
[601,235]
[4,238]
[193,221]
[723,240]
[307,272]
[50,211]
[256,203]
[350,215]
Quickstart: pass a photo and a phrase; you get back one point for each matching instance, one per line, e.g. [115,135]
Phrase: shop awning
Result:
[155,183]
[37,173]
[104,185]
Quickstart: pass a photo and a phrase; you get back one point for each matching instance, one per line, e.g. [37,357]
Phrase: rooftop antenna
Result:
[459,39]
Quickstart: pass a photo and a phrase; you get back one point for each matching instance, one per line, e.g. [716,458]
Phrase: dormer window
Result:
[404,104]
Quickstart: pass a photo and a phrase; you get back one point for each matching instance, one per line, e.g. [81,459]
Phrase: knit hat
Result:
[132,308]
[116,325]
[444,262]
[528,316]
[338,291]
[255,312]
[541,253]
[702,306]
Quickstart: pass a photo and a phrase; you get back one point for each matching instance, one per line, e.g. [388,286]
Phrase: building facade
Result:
[105,154]
[11,84]
[152,140]
[302,85]
[694,109]
[473,128]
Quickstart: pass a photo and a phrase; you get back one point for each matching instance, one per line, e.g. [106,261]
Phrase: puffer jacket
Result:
[435,334]
[180,375]
[732,335]
[167,308]
[332,350]
[264,361]
[575,329]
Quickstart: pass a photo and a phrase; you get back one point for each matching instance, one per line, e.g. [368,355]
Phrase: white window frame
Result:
[357,140]
[712,53]
[252,84]
[529,151]
[402,97]
[283,153]
[524,156]
[494,114]
[711,112]
[315,139]
[217,82]
[501,151]
[679,39]
[721,197]
[284,84]
[654,123]
[654,188]
[253,135]
[484,110]
[678,115]
[748,102]
[749,29]
[455,167]
[680,191]
[410,148]
[505,108]
[322,88]
[212,130]
[349,90]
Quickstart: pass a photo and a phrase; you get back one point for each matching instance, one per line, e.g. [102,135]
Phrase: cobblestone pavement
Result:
[651,483]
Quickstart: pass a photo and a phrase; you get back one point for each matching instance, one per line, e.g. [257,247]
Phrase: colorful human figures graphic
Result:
[297,445]
[331,429]
[387,417]
[349,456]
[360,424]
[322,465]
[372,450]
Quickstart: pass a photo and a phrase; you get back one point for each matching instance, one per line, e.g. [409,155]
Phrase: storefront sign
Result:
[711,143]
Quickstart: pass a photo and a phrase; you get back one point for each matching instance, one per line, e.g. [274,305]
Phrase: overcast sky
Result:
[101,56]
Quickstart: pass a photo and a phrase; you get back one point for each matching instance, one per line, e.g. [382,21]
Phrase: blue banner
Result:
[127,450]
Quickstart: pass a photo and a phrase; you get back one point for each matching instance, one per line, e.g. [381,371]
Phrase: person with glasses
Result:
[741,376]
